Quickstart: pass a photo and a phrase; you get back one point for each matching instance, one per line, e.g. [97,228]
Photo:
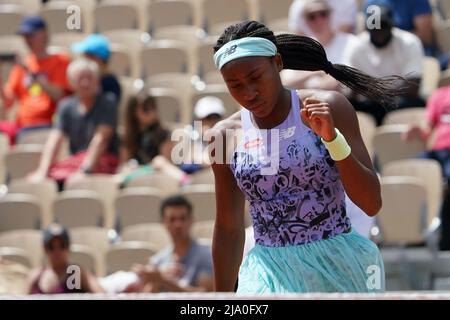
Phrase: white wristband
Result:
[338,148]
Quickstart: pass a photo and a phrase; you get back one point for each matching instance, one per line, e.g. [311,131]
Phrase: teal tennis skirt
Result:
[345,263]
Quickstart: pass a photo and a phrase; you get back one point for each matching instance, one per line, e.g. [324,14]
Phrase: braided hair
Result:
[304,53]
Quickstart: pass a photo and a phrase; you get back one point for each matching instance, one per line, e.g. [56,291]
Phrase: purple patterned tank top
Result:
[293,186]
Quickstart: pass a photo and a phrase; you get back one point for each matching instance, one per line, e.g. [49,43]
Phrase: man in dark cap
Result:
[36,82]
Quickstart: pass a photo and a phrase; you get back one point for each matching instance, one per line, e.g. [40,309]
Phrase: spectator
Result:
[414,16]
[316,15]
[37,82]
[384,52]
[88,120]
[96,47]
[209,110]
[54,279]
[343,19]
[147,146]
[438,119]
[185,266]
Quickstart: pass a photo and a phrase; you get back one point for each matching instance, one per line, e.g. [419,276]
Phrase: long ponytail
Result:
[304,53]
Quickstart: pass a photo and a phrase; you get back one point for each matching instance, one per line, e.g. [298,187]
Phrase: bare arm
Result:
[49,153]
[89,283]
[98,146]
[358,176]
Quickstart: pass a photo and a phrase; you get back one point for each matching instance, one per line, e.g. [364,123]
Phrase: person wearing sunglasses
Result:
[317,17]
[55,278]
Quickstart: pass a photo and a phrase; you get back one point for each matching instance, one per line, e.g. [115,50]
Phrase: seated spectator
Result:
[185,266]
[413,16]
[36,83]
[54,279]
[384,52]
[316,15]
[208,110]
[146,145]
[88,120]
[438,120]
[343,19]
[96,47]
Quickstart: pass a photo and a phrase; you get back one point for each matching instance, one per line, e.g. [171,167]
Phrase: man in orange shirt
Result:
[37,83]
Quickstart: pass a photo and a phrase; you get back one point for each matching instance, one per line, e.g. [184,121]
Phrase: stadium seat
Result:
[95,238]
[170,13]
[78,208]
[22,160]
[154,233]
[203,229]
[389,146]
[279,25]
[205,55]
[4,147]
[442,30]
[56,16]
[218,14]
[204,176]
[106,187]
[19,211]
[122,256]
[120,61]
[429,172]
[164,183]
[164,56]
[10,17]
[430,77]
[445,79]
[29,7]
[29,240]
[106,16]
[409,116]
[38,137]
[138,205]
[45,193]
[170,105]
[203,199]
[269,10]
[16,255]
[83,257]
[220,91]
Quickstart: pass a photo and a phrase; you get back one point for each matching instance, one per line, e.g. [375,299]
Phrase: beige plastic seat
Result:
[115,15]
[17,255]
[28,7]
[10,17]
[78,208]
[402,215]
[4,147]
[138,205]
[203,229]
[106,187]
[170,13]
[164,183]
[12,45]
[122,256]
[30,241]
[19,211]
[170,107]
[430,77]
[389,146]
[181,82]
[279,25]
[164,56]
[429,172]
[45,193]
[154,233]
[444,5]
[410,116]
[203,200]
[23,159]
[83,257]
[367,127]
[55,14]
[66,39]
[96,239]
[120,62]
[204,176]
[38,137]
[220,91]
[217,14]
[269,10]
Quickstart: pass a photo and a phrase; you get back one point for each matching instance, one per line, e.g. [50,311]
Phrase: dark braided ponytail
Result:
[304,53]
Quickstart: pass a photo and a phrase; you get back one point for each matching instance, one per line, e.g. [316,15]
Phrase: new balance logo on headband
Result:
[230,50]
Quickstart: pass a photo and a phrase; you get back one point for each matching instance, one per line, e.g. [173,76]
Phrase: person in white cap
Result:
[209,110]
